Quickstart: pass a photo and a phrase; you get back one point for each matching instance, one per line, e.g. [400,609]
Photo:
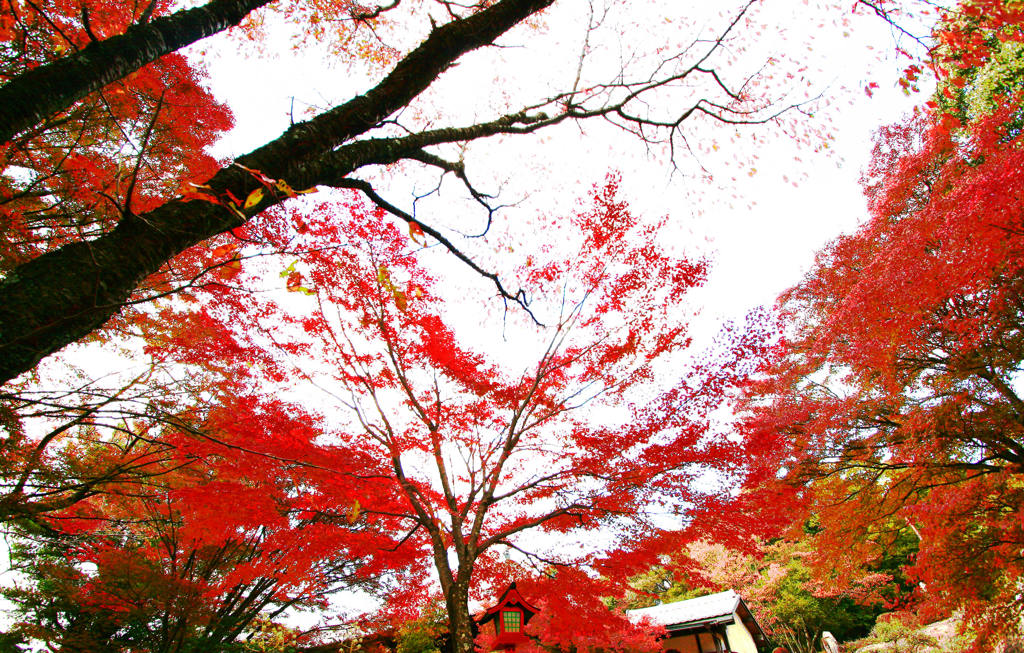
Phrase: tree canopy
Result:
[893,409]
[304,414]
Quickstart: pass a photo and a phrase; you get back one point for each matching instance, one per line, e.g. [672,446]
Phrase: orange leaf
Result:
[192,196]
[230,270]
[227,249]
[282,186]
[416,233]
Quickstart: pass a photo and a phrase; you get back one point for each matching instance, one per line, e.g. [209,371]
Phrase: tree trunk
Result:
[37,94]
[461,629]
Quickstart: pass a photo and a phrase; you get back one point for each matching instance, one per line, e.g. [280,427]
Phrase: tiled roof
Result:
[682,612]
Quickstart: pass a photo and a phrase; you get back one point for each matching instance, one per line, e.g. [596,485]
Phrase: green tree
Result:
[426,634]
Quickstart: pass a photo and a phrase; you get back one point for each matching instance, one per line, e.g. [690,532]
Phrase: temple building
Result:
[714,623]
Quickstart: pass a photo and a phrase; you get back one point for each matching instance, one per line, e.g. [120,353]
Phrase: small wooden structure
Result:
[714,623]
[511,613]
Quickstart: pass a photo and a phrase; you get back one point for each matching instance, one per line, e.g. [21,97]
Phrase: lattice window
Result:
[511,621]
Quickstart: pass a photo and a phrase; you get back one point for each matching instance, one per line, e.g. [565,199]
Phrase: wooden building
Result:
[714,623]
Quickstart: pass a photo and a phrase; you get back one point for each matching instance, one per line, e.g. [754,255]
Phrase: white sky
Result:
[761,230]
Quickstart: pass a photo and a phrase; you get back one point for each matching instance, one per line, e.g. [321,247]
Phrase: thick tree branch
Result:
[37,94]
[63,295]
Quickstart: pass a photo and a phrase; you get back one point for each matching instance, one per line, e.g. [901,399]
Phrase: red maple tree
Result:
[66,181]
[574,435]
[239,516]
[896,407]
[894,410]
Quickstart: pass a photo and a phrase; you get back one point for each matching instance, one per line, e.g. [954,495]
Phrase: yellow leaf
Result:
[400,300]
[254,198]
[283,187]
[288,270]
[354,515]
[383,278]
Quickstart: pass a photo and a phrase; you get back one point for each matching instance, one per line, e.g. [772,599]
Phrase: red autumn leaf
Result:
[294,281]
[416,233]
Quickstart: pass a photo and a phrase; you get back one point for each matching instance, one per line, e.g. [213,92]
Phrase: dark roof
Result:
[510,597]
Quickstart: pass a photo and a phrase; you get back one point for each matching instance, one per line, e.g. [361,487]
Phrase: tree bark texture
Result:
[64,295]
[460,623]
[32,97]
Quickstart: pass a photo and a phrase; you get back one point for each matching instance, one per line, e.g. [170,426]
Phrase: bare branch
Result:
[362,15]
[518,297]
